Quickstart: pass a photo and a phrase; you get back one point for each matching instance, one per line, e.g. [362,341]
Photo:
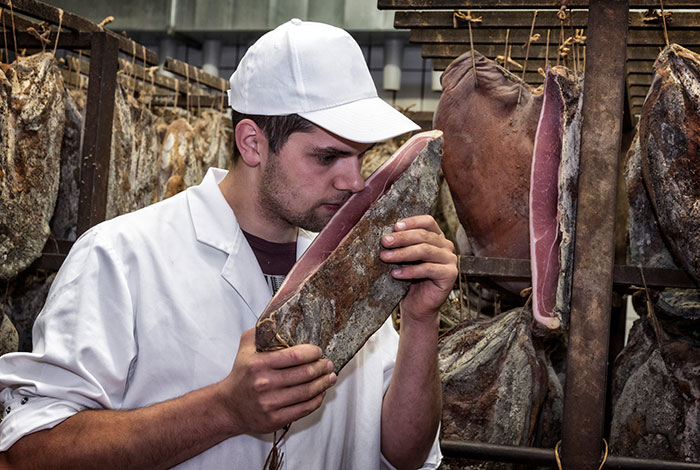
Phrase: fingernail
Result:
[401,225]
[333,378]
[388,238]
[396,272]
[329,366]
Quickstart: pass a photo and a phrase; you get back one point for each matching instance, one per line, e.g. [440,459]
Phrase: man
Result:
[144,354]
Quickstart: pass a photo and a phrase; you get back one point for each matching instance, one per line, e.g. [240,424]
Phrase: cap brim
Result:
[367,120]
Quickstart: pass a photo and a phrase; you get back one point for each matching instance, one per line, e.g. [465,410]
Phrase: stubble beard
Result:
[274,194]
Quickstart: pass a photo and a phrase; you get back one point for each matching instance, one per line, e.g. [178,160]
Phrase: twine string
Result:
[14,35]
[469,19]
[558,459]
[58,33]
[532,38]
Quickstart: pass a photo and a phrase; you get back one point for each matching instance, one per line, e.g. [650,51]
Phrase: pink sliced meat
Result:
[552,200]
[544,219]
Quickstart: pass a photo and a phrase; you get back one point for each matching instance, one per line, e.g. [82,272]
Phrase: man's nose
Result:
[350,177]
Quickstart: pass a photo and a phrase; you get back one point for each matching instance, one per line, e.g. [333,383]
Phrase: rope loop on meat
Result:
[603,460]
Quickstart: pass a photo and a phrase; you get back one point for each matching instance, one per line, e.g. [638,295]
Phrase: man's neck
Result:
[236,189]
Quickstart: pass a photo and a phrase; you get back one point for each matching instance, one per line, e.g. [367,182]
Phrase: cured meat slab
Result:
[553,191]
[647,247]
[670,147]
[489,140]
[32,120]
[340,292]
[497,385]
[656,397]
[135,148]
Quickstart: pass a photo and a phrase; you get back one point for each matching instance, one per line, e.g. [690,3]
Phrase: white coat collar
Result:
[215,225]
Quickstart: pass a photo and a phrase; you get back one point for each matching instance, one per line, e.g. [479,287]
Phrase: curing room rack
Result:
[103,47]
[610,102]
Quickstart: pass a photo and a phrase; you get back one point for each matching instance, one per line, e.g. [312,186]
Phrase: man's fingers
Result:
[422,252]
[426,222]
[294,356]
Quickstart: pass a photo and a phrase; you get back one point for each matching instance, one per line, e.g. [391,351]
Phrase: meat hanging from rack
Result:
[655,380]
[32,122]
[503,158]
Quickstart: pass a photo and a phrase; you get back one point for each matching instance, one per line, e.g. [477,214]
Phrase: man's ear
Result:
[251,141]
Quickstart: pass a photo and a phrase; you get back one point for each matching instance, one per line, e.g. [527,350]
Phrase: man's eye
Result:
[326,159]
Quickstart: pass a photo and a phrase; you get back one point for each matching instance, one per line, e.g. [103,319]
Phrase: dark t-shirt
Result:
[275,259]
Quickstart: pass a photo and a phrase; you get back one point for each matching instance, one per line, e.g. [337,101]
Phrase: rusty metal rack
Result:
[612,37]
[103,48]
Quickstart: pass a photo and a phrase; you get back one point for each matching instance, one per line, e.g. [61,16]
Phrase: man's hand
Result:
[265,391]
[418,240]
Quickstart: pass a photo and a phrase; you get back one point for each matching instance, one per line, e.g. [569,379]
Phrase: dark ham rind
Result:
[554,182]
[669,139]
[348,215]
[336,297]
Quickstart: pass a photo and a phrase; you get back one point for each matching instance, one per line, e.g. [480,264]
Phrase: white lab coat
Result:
[151,305]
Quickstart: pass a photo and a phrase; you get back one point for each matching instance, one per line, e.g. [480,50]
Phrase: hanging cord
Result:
[77,70]
[4,33]
[132,69]
[658,331]
[561,16]
[14,35]
[507,58]
[187,91]
[223,92]
[506,54]
[199,96]
[41,37]
[663,19]
[469,19]
[540,70]
[58,33]
[574,48]
[151,73]
[556,455]
[532,38]
[276,457]
[105,22]
[177,93]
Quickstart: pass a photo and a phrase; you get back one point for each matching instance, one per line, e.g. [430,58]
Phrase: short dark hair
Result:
[277,129]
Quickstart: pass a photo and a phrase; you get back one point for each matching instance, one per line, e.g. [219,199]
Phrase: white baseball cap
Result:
[318,72]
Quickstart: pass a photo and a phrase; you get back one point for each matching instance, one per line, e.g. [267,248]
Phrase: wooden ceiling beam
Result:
[518,37]
[516,4]
[523,20]
[634,53]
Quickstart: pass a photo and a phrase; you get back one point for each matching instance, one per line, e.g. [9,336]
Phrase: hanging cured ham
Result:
[553,189]
[489,140]
[32,121]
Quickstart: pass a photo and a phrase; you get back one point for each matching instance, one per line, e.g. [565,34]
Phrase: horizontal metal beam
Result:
[623,275]
[523,19]
[516,4]
[538,456]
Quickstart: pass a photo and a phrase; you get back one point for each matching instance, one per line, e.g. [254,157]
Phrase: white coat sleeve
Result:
[84,345]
